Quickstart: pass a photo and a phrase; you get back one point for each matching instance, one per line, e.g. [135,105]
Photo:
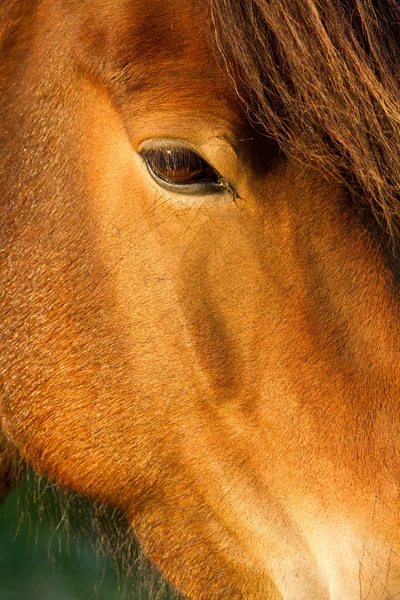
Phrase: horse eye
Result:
[181,170]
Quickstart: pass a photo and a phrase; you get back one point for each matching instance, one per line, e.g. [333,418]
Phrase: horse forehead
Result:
[154,45]
[164,30]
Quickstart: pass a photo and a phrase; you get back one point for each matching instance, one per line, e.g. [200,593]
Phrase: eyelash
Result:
[182,170]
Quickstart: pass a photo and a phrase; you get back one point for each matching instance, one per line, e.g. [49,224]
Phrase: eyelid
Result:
[170,141]
[166,143]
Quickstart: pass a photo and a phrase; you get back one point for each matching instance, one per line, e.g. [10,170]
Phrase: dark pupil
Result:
[179,166]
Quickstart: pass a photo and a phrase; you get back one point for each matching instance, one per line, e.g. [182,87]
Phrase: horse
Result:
[200,282]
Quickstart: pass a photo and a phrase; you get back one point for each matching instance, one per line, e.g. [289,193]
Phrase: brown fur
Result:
[224,373]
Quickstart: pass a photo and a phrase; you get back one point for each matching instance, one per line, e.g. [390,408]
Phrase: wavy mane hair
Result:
[322,78]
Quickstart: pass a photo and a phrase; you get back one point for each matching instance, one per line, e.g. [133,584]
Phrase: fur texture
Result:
[220,370]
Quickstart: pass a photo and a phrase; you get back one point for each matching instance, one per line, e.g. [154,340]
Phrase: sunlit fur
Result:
[223,371]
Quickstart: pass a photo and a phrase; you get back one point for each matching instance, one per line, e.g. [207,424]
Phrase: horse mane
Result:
[322,78]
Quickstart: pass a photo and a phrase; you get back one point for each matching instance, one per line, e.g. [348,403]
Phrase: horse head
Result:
[199,282]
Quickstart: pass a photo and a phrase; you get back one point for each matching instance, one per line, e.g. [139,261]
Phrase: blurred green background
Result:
[35,563]
[42,560]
